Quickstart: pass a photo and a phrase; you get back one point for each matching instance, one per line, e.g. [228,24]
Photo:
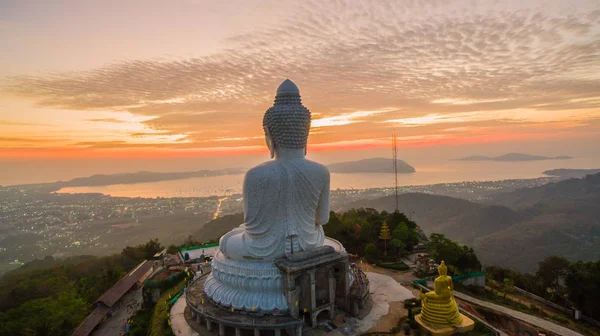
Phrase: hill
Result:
[142,177]
[373,165]
[571,173]
[572,191]
[129,178]
[516,229]
[51,297]
[560,218]
[512,157]
[523,245]
[218,227]
[459,219]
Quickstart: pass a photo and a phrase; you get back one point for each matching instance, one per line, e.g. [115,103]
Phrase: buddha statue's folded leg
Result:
[232,244]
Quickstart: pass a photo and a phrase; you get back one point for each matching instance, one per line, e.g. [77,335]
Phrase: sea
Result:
[440,172]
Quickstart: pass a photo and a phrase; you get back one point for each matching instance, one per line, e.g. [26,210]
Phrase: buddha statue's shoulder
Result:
[270,167]
[317,168]
[273,170]
[263,171]
[443,279]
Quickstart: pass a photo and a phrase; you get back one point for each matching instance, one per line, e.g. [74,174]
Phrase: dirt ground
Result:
[396,309]
[390,320]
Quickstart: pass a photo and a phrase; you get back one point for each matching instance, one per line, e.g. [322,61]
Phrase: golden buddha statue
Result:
[439,312]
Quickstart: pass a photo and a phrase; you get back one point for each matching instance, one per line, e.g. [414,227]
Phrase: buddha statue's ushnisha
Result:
[286,202]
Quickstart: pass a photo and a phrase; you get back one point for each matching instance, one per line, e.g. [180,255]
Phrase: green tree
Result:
[398,245]
[371,252]
[551,271]
[53,301]
[509,285]
[190,240]
[458,256]
[583,287]
[467,260]
[51,316]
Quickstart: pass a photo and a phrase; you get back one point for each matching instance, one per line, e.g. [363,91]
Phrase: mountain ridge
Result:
[371,165]
[571,173]
[515,229]
[512,157]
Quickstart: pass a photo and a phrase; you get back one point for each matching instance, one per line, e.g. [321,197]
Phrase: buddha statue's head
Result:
[442,269]
[287,122]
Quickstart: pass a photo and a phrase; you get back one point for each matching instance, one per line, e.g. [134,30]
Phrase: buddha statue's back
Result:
[285,204]
[286,201]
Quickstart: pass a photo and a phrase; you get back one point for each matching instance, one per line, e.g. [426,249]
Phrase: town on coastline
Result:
[38,222]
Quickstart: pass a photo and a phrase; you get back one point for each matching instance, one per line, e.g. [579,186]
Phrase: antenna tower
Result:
[395,155]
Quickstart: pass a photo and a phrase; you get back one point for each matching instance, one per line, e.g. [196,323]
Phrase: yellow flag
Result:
[305,310]
[296,303]
[202,301]
[252,308]
[232,309]
[361,261]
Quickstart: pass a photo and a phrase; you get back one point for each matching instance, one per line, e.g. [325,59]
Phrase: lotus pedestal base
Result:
[438,330]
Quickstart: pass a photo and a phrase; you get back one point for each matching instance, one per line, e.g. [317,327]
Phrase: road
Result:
[533,320]
[178,323]
[218,210]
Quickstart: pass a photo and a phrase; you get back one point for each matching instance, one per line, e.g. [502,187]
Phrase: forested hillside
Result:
[52,297]
[523,228]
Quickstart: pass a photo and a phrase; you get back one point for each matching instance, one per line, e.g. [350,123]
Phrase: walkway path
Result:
[178,323]
[534,320]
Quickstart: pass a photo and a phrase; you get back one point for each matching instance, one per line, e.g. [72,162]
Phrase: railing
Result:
[467,276]
[590,320]
[568,311]
[454,278]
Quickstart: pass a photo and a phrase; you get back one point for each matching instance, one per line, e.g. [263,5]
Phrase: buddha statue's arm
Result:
[322,213]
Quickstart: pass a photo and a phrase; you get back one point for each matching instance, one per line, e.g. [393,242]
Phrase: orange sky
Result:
[189,78]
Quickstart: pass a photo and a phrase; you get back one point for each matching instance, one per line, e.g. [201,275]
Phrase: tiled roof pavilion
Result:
[110,298]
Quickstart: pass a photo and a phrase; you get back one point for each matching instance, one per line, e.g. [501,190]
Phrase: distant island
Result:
[373,165]
[133,178]
[571,173]
[512,157]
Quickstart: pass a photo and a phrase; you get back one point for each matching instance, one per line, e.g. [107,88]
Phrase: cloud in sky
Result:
[362,68]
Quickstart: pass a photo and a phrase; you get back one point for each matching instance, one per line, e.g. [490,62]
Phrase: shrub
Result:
[395,330]
[406,328]
[399,266]
[371,252]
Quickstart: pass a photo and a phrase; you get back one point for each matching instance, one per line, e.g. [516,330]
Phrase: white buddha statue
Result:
[286,200]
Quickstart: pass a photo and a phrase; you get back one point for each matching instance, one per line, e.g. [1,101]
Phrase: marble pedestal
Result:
[251,285]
